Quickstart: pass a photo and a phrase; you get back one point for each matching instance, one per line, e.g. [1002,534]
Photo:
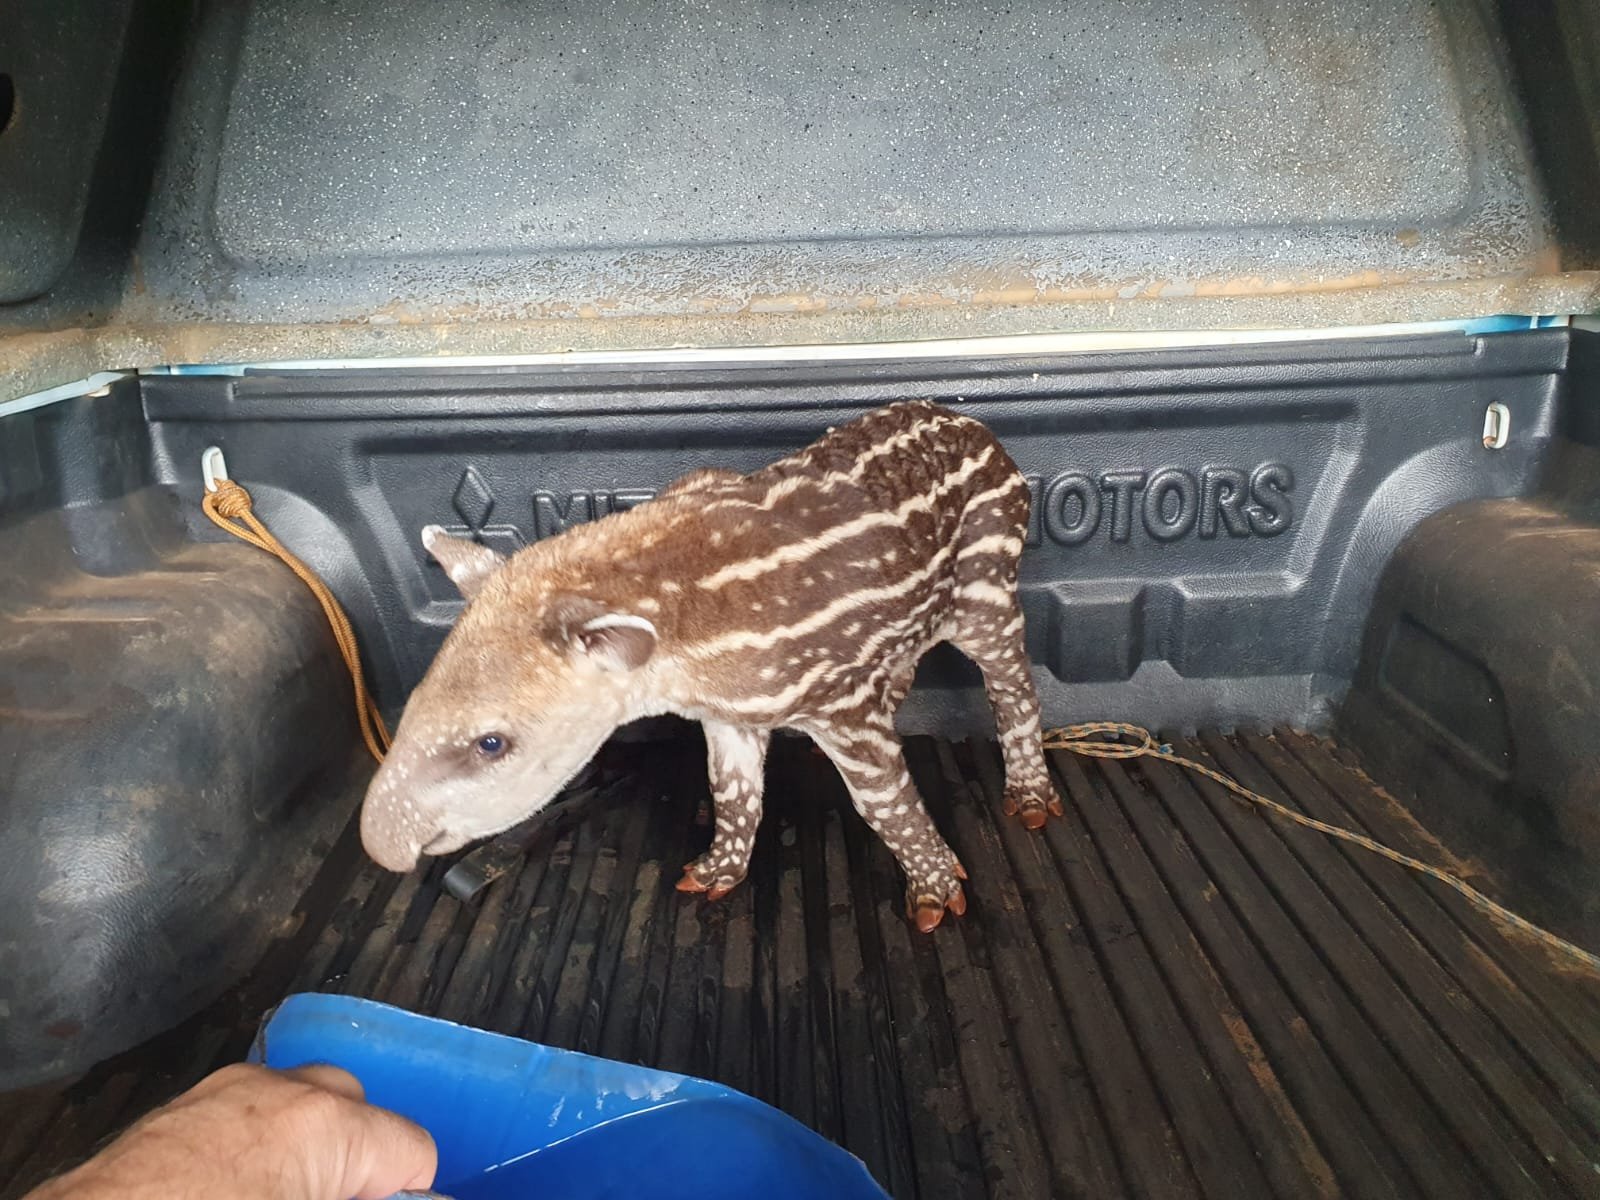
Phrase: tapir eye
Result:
[493,745]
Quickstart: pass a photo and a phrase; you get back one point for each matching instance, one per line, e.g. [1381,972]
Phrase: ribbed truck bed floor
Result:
[1165,994]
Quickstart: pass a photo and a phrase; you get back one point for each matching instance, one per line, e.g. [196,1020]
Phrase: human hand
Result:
[249,1133]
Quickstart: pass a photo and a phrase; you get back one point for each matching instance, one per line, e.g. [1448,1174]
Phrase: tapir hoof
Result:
[1032,808]
[928,911]
[719,886]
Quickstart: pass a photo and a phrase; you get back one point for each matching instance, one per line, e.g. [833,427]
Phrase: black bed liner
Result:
[1167,994]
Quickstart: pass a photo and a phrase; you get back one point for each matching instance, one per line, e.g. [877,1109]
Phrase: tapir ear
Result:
[617,641]
[466,562]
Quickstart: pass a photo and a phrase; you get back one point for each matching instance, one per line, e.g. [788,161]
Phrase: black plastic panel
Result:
[1477,691]
[1210,528]
[58,67]
[174,721]
[1208,525]
[1163,996]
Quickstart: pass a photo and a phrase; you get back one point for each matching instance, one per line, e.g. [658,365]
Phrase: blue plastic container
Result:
[518,1121]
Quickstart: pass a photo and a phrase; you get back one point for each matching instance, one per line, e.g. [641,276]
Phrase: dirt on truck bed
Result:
[1165,994]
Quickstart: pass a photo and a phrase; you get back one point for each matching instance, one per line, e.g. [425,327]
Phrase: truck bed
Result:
[1165,994]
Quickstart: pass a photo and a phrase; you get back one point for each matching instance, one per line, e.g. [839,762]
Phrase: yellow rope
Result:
[1087,740]
[229,508]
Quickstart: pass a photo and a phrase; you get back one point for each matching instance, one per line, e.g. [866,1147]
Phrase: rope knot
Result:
[1103,739]
[229,500]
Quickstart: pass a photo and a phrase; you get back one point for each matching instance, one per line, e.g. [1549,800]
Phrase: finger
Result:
[388,1154]
[330,1079]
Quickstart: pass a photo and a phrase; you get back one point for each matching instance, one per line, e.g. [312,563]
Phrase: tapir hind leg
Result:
[868,755]
[987,627]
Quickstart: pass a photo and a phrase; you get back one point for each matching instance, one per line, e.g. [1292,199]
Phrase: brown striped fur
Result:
[800,596]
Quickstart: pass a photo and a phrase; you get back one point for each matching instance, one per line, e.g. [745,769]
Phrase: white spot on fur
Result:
[987,593]
[994,543]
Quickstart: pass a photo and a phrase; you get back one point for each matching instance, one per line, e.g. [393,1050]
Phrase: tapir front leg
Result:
[735,764]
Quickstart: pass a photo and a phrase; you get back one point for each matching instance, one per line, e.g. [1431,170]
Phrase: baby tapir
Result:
[799,596]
